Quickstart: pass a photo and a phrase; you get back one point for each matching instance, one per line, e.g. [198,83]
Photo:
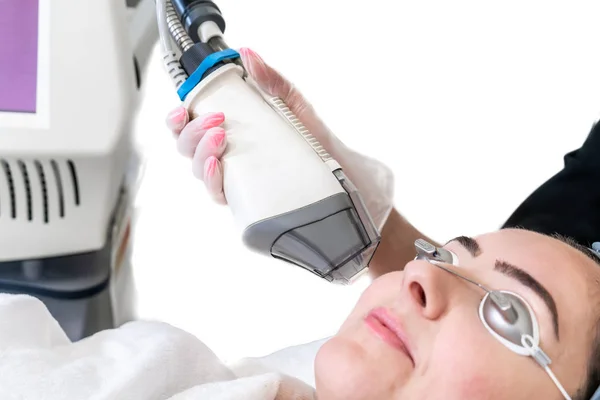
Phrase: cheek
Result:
[465,365]
[469,363]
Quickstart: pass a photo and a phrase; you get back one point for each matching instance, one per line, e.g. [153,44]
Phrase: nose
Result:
[429,288]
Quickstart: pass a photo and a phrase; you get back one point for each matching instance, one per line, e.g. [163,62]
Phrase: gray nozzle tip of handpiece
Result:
[326,238]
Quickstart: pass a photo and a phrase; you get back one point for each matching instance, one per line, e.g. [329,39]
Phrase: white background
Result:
[473,105]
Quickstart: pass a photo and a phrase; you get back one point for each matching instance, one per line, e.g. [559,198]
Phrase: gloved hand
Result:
[204,141]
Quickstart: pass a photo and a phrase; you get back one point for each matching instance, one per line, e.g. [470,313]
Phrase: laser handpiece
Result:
[289,197]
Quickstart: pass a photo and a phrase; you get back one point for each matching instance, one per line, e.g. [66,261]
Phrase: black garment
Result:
[569,202]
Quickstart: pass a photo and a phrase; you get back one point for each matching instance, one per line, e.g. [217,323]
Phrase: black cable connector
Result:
[193,13]
[193,57]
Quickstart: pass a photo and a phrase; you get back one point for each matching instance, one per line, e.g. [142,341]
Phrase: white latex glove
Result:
[204,141]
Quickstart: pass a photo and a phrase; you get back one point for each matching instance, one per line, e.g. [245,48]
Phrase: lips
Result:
[388,328]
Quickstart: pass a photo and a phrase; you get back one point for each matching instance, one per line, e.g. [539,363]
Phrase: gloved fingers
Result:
[267,78]
[275,84]
[177,120]
[212,144]
[195,130]
[213,179]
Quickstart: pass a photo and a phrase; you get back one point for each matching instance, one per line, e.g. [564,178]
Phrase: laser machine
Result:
[70,80]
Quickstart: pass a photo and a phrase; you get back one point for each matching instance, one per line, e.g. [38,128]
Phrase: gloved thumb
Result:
[264,75]
[273,83]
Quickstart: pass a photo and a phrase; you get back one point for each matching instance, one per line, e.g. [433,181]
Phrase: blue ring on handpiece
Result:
[206,64]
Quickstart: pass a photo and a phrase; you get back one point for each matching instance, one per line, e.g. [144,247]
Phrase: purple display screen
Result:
[18,55]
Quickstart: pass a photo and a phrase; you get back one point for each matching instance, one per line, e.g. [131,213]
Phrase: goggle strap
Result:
[557,383]
[542,358]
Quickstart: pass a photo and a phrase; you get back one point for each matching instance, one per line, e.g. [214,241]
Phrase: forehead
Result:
[547,259]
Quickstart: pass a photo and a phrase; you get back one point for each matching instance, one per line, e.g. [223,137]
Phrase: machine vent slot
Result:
[42,176]
[59,188]
[11,188]
[75,181]
[23,169]
[41,187]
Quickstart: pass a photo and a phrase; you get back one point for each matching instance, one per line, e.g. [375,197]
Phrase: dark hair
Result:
[592,379]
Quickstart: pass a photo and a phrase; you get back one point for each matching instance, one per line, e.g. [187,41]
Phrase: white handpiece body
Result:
[269,168]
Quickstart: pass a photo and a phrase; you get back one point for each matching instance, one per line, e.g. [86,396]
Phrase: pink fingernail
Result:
[249,59]
[250,52]
[176,118]
[211,167]
[214,120]
[218,138]
[244,51]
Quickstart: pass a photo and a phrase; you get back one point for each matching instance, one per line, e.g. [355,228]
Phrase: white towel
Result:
[297,361]
[138,361]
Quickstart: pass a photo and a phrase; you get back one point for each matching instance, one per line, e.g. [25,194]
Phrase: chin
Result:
[344,371]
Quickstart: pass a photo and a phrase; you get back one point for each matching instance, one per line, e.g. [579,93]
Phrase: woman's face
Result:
[450,354]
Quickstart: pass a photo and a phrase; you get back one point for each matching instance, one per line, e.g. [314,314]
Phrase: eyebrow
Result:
[517,274]
[468,243]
